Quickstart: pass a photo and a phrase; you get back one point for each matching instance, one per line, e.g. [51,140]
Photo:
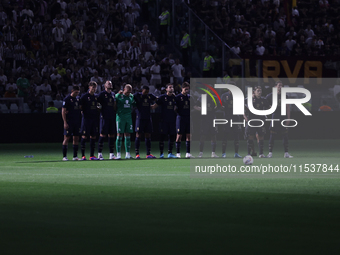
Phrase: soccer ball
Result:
[248,160]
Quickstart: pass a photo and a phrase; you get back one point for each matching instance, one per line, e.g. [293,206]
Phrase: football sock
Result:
[111,144]
[64,151]
[285,142]
[201,146]
[137,145]
[83,144]
[261,146]
[119,143]
[161,146]
[253,147]
[236,143]
[161,143]
[250,145]
[92,146]
[213,146]
[187,144]
[171,143]
[224,147]
[148,145]
[127,144]
[271,142]
[178,147]
[100,144]
[75,151]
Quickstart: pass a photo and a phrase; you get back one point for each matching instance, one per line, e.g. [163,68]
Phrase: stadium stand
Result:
[72,42]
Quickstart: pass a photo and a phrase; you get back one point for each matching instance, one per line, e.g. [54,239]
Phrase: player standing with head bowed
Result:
[107,119]
[143,120]
[183,119]
[259,103]
[71,115]
[277,128]
[89,125]
[167,123]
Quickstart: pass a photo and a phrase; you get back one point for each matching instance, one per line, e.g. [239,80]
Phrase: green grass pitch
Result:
[48,206]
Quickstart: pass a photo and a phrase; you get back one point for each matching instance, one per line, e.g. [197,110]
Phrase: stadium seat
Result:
[336,91]
[48,98]
[144,71]
[26,108]
[151,89]
[147,55]
[219,80]
[4,108]
[69,89]
[145,81]
[14,108]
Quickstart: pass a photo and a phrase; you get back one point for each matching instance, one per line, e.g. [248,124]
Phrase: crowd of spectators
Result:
[47,46]
[274,27]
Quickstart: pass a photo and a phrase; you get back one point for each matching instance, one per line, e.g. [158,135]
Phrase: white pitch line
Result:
[99,175]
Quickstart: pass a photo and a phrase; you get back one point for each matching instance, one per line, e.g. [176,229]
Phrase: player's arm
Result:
[176,109]
[268,100]
[266,106]
[155,99]
[176,106]
[154,106]
[246,111]
[63,115]
[196,106]
[133,102]
[288,113]
[99,103]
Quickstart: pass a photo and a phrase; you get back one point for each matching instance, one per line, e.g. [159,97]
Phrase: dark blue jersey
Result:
[72,106]
[143,103]
[89,106]
[183,104]
[259,104]
[167,104]
[107,100]
[227,101]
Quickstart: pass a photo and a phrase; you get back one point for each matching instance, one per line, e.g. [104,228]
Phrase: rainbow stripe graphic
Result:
[209,93]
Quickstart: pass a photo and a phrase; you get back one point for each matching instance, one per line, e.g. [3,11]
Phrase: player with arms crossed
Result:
[168,119]
[107,119]
[259,103]
[71,115]
[183,119]
[277,128]
[89,125]
[143,120]
[125,103]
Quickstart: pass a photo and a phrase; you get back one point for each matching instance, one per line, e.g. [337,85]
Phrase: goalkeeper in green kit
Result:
[125,103]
